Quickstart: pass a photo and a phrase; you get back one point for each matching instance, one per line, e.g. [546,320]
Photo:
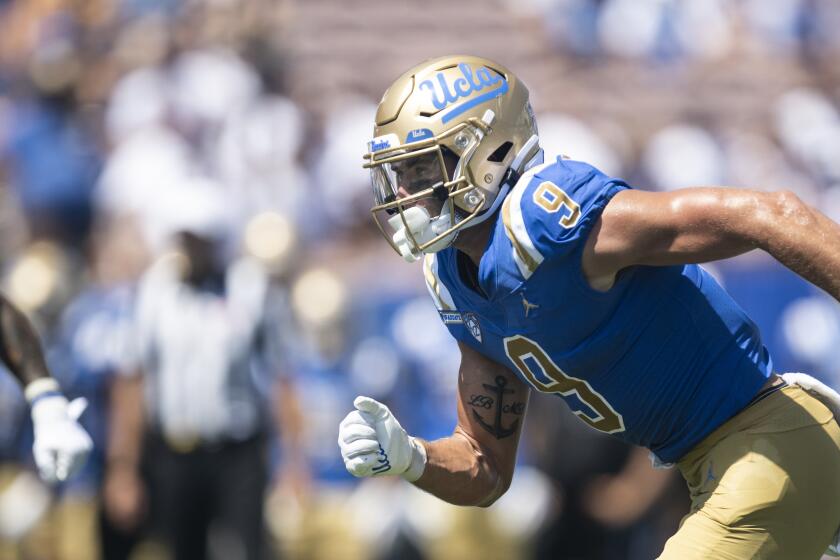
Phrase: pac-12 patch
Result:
[471,321]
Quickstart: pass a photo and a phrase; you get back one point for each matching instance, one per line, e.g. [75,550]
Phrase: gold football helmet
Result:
[451,136]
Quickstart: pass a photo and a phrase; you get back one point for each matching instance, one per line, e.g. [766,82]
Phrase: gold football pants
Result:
[764,485]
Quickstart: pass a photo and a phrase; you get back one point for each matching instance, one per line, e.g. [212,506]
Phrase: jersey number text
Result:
[519,349]
[551,198]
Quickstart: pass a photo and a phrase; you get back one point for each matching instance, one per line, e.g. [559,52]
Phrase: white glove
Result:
[373,443]
[61,445]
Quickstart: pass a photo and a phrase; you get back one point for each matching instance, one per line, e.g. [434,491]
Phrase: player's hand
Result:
[124,497]
[373,443]
[61,445]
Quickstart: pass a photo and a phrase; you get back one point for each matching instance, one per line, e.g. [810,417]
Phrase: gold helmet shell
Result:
[470,107]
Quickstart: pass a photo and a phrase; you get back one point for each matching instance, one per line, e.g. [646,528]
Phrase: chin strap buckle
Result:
[511,177]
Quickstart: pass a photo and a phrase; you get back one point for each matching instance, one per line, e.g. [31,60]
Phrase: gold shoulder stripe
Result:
[439,293]
[524,262]
[525,254]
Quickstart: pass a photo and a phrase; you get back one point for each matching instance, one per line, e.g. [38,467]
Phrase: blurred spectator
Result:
[683,155]
[52,160]
[777,22]
[573,138]
[666,29]
[811,326]
[808,125]
[343,182]
[92,341]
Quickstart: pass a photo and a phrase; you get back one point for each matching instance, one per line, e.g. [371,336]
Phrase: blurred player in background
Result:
[557,277]
[61,444]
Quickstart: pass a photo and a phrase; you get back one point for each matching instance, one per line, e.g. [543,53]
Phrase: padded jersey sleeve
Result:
[550,214]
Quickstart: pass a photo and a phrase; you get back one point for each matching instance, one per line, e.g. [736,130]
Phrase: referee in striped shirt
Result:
[187,451]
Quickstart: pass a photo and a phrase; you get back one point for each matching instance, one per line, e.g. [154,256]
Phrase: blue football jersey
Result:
[660,359]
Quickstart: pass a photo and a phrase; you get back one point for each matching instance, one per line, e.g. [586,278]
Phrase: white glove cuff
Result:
[418,460]
[42,387]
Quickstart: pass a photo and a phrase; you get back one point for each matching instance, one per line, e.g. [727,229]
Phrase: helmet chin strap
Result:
[530,155]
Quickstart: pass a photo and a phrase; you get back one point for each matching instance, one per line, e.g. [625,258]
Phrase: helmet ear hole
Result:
[500,153]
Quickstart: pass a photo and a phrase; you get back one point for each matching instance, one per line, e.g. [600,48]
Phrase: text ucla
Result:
[443,93]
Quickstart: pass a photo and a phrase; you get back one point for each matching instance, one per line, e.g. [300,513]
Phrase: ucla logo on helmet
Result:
[418,134]
[471,81]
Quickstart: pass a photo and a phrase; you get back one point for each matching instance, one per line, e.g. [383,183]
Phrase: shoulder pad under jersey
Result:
[551,210]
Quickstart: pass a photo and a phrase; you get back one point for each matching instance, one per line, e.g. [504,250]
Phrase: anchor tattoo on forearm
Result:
[497,429]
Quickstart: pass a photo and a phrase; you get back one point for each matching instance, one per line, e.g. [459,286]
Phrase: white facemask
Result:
[423,228]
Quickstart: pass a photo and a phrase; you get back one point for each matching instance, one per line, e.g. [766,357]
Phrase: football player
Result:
[61,445]
[555,277]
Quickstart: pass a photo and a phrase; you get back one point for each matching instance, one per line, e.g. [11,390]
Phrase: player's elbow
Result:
[501,486]
[788,207]
[497,479]
[776,213]
[483,487]
[489,474]
[755,218]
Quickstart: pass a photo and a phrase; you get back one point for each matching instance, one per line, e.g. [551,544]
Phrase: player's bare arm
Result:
[61,445]
[475,465]
[20,349]
[123,491]
[698,225]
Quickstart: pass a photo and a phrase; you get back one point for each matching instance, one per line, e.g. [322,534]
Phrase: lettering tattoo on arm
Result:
[497,427]
[485,402]
[481,401]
